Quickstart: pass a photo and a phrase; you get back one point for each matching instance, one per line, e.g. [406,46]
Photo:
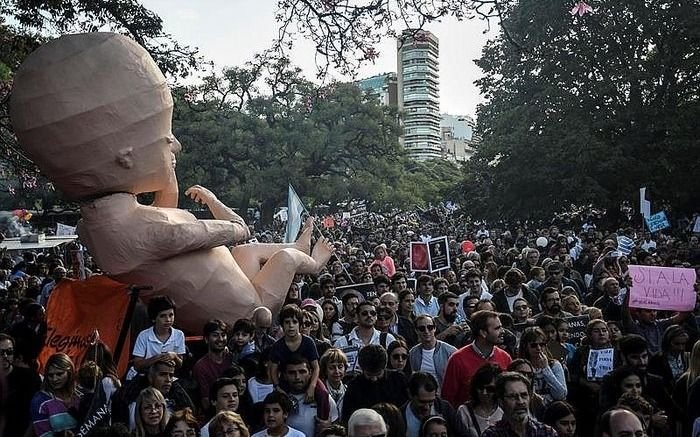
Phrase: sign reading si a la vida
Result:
[662,288]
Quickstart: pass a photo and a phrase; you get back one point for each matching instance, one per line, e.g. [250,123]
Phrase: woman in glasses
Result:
[483,410]
[228,424]
[398,357]
[548,380]
[52,406]
[182,424]
[151,415]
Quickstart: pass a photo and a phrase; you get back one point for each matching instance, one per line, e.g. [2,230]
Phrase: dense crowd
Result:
[486,347]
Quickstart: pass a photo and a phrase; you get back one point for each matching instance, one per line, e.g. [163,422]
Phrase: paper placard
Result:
[657,222]
[420,260]
[577,327]
[438,254]
[600,363]
[662,288]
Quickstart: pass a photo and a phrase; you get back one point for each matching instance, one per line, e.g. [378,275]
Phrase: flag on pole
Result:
[644,204]
[294,210]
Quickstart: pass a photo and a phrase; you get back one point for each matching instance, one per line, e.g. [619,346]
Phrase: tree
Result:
[333,143]
[587,110]
[346,32]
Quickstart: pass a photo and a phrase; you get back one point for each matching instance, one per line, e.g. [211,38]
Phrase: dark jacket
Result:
[392,387]
[455,427]
[501,301]
[407,330]
[177,397]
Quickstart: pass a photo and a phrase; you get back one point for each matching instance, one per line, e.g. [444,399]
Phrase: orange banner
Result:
[78,311]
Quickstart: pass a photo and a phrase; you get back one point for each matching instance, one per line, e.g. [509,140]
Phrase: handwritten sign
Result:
[662,288]
[577,328]
[657,222]
[600,363]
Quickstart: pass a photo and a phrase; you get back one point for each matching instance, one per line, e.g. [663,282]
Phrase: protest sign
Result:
[365,289]
[438,254]
[600,363]
[420,261]
[577,327]
[79,313]
[662,288]
[411,283]
[657,222]
[62,230]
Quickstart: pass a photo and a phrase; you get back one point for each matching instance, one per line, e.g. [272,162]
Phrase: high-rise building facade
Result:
[419,93]
[383,87]
[459,140]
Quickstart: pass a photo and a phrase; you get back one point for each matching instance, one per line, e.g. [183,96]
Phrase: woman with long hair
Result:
[102,355]
[561,416]
[330,316]
[681,390]
[54,408]
[151,414]
[672,361]
[549,380]
[397,352]
[311,326]
[482,410]
[182,423]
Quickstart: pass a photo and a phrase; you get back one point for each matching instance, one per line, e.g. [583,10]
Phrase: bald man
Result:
[262,319]
[621,423]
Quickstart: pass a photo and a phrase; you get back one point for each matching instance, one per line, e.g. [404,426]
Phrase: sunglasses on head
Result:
[425,328]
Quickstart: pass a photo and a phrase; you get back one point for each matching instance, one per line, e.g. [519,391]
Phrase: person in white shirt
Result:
[363,334]
[223,395]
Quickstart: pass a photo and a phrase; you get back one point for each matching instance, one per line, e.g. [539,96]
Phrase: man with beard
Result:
[22,383]
[350,300]
[357,270]
[363,334]
[447,328]
[212,365]
[309,418]
[550,302]
[430,355]
[463,364]
[513,392]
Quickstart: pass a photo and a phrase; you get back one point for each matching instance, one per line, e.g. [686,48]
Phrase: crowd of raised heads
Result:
[527,332]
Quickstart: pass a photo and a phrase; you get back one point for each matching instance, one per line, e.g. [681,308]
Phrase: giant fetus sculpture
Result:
[94,113]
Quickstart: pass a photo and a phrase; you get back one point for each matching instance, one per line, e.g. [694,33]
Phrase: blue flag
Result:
[294,210]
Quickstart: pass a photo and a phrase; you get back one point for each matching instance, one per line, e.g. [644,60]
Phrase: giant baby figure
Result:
[93,111]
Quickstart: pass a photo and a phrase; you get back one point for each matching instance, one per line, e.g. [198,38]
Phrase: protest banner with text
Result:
[662,288]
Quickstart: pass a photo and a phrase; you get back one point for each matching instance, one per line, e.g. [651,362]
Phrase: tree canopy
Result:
[588,110]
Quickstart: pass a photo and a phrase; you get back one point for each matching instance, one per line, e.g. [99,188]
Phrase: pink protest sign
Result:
[662,288]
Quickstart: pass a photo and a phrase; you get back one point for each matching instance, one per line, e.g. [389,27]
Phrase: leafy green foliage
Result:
[587,110]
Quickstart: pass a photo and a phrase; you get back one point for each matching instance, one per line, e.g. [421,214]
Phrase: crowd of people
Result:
[370,348]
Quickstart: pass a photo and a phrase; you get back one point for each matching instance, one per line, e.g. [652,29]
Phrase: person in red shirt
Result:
[463,364]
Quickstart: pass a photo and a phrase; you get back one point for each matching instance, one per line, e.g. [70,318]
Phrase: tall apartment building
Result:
[459,139]
[419,93]
[383,87]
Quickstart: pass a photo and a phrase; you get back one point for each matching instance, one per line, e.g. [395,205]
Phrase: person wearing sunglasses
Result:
[430,355]
[398,357]
[549,380]
[21,384]
[362,335]
[482,411]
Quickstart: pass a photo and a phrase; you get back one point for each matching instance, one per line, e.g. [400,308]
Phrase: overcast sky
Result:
[230,32]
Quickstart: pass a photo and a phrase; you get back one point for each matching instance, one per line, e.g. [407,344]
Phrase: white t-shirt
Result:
[291,433]
[258,390]
[148,345]
[427,364]
[304,419]
[511,299]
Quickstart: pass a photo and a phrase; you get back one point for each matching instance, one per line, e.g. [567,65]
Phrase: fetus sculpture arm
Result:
[218,209]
